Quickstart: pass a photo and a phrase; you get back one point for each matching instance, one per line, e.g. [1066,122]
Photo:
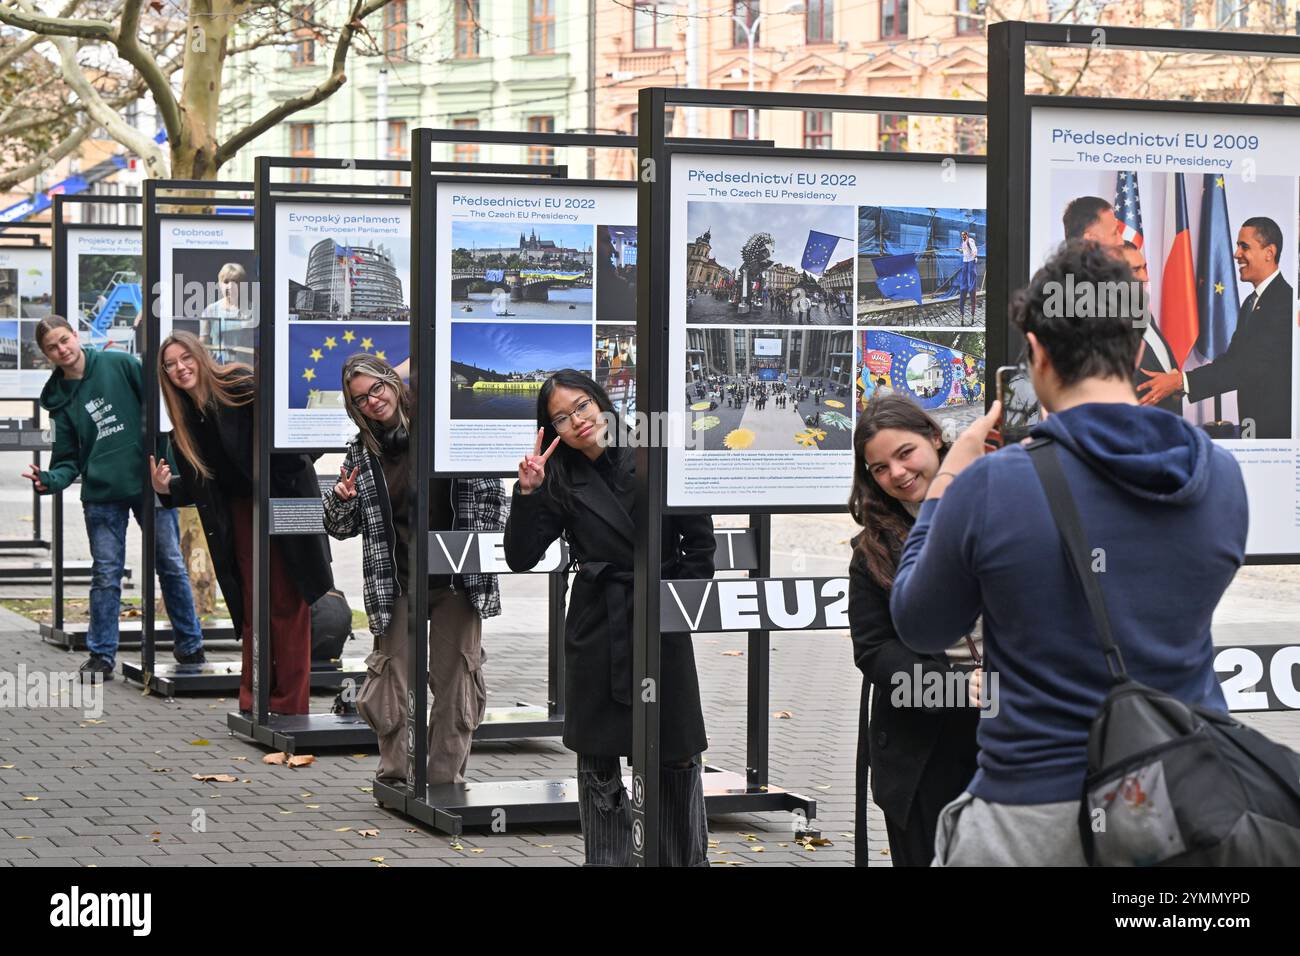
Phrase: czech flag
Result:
[1178,314]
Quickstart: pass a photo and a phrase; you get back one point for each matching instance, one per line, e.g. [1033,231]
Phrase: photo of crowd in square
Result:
[769,264]
[769,389]
[921,266]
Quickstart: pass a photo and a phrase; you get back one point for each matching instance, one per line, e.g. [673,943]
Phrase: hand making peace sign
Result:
[532,468]
[346,487]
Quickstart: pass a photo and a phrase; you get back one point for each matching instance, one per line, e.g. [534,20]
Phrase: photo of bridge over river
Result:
[497,368]
[517,269]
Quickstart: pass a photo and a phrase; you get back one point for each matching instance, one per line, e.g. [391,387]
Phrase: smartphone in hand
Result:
[1020,410]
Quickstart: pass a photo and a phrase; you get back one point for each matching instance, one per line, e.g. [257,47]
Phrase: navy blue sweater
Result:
[1167,507]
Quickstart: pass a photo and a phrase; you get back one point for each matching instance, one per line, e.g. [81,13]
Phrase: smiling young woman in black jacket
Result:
[575,486]
[920,757]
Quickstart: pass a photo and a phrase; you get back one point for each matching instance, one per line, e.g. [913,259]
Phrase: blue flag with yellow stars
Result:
[317,351]
[1216,277]
[817,251]
[897,277]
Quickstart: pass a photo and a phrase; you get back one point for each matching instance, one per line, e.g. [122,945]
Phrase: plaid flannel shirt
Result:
[481,505]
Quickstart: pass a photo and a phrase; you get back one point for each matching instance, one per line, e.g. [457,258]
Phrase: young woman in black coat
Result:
[211,408]
[920,757]
[575,486]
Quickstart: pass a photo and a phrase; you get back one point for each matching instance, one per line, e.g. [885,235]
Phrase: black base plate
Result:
[169,679]
[72,637]
[450,807]
[304,732]
[78,571]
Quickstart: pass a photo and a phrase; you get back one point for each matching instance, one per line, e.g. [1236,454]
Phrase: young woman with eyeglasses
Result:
[373,498]
[211,409]
[579,482]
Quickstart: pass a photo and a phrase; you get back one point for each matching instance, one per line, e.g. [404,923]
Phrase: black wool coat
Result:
[292,476]
[598,625]
[898,743]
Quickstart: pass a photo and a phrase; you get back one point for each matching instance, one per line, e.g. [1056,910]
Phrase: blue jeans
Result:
[106,527]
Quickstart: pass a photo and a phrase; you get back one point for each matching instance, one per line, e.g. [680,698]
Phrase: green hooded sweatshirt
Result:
[97,432]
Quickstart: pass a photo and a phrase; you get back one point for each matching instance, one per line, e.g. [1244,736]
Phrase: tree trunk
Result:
[193,156]
[203,576]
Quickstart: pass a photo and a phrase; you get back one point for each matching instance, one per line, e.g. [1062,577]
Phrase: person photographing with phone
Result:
[1165,513]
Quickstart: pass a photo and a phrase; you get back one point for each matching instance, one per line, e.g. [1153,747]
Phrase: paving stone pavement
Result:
[117,788]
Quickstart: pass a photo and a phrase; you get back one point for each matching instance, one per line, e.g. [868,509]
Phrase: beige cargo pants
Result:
[456,687]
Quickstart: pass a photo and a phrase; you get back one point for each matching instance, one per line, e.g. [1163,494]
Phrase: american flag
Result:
[1128,208]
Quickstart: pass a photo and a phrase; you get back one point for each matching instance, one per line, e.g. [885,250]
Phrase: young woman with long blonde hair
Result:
[211,409]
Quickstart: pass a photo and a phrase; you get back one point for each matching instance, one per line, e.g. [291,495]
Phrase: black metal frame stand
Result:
[292,733]
[452,807]
[57,632]
[653,322]
[19,433]
[1010,114]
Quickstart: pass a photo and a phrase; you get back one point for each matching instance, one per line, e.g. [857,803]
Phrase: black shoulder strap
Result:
[1047,462]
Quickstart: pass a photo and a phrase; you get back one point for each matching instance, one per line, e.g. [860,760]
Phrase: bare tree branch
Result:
[18,51]
[44,161]
[55,26]
[337,77]
[151,153]
[129,48]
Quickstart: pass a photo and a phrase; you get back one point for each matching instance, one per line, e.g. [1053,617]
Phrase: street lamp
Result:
[751,30]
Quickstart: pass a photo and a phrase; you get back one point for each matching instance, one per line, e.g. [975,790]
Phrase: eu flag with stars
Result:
[1128,207]
[317,351]
[818,251]
[897,277]
[1216,279]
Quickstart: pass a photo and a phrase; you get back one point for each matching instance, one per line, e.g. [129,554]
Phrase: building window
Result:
[465,152]
[302,143]
[971,16]
[541,26]
[893,19]
[1230,14]
[645,25]
[302,53]
[541,155]
[740,124]
[395,44]
[817,129]
[893,133]
[467,28]
[819,29]
[745,14]
[399,145]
